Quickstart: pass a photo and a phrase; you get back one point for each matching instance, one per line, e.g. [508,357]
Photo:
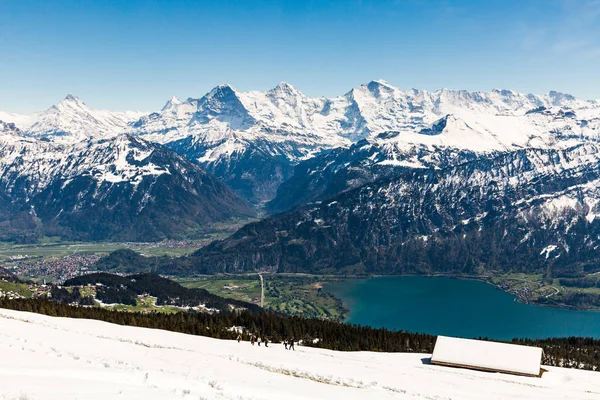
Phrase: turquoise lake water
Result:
[453,307]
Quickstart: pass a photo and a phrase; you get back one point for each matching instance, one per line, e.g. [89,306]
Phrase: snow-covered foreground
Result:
[58,358]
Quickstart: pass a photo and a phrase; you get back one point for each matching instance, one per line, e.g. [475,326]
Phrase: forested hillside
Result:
[115,289]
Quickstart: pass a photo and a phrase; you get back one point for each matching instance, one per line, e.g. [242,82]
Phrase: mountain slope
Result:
[512,212]
[451,140]
[21,121]
[253,168]
[339,170]
[111,289]
[16,221]
[252,141]
[121,188]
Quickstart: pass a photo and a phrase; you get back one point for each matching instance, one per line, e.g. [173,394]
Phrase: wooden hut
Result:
[487,356]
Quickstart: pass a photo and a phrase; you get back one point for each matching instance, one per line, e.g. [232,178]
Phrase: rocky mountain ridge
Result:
[279,146]
[529,210]
[122,188]
[252,140]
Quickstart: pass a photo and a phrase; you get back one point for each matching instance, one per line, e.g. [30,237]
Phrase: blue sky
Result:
[133,54]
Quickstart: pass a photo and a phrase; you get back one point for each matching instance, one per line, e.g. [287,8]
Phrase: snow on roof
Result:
[487,356]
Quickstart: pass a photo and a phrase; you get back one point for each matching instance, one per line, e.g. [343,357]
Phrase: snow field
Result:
[59,358]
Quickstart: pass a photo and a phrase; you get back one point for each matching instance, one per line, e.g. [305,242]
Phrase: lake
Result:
[453,307]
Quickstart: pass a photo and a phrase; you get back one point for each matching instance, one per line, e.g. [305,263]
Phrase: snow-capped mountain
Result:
[451,140]
[230,132]
[121,188]
[252,140]
[510,211]
[224,112]
[71,120]
[363,112]
[169,123]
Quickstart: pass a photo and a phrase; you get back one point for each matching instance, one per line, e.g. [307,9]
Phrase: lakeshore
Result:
[456,307]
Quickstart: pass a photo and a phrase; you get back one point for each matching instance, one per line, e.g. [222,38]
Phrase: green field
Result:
[146,304]
[54,247]
[19,288]
[289,294]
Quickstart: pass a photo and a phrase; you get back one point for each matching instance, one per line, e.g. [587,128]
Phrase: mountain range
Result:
[361,175]
[118,188]
[521,211]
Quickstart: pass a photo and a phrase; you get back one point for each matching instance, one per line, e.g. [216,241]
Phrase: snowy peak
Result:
[223,92]
[561,99]
[70,98]
[285,86]
[381,82]
[171,104]
[221,99]
[285,90]
[71,103]
[378,89]
[168,124]
[222,104]
[71,120]
[285,95]
[381,88]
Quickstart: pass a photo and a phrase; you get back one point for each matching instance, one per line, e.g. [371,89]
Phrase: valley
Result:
[498,186]
[58,261]
[288,293]
[229,200]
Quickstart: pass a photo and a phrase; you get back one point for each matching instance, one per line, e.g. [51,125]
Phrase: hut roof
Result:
[487,356]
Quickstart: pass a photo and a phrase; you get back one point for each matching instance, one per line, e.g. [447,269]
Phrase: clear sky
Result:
[134,54]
